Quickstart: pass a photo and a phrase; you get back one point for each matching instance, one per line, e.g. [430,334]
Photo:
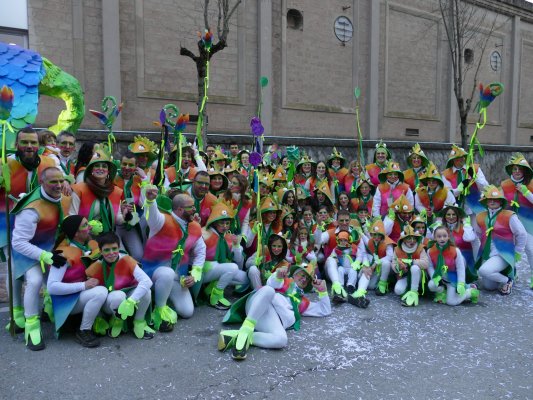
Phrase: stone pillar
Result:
[265,61]
[452,104]
[111,51]
[78,41]
[373,87]
[514,62]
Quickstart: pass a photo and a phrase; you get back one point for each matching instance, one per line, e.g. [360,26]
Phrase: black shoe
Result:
[338,299]
[221,306]
[238,354]
[350,289]
[223,341]
[18,329]
[87,338]
[35,347]
[361,302]
[44,316]
[148,335]
[166,327]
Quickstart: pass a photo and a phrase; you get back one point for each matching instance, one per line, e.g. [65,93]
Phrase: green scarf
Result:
[108,271]
[107,215]
[223,254]
[439,268]
[490,225]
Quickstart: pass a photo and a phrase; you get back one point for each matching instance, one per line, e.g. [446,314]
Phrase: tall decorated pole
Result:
[256,157]
[107,117]
[6,104]
[207,43]
[360,154]
[486,97]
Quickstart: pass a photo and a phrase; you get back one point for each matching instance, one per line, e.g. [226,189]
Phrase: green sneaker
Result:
[382,288]
[474,296]
[116,326]
[440,297]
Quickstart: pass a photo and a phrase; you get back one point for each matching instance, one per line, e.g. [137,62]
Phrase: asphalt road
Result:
[387,351]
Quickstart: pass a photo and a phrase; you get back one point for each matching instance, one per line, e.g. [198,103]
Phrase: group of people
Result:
[134,243]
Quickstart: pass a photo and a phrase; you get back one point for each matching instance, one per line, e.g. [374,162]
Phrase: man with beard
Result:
[25,166]
[175,243]
[203,199]
[66,142]
[38,216]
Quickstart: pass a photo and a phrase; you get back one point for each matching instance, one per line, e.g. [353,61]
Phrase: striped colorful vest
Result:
[387,192]
[123,273]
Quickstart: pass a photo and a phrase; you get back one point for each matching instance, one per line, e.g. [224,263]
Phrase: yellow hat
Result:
[268,204]
[280,175]
[408,230]
[432,172]
[220,211]
[402,205]
[377,226]
[494,193]
[417,150]
[266,179]
[519,159]
[143,145]
[455,152]
[392,166]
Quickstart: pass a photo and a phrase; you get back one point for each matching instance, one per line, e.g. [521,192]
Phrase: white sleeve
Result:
[155,220]
[376,205]
[418,203]
[238,257]
[200,166]
[481,181]
[520,234]
[450,198]
[390,253]
[251,261]
[468,234]
[320,308]
[431,267]
[57,287]
[143,286]
[362,254]
[74,204]
[245,227]
[410,197]
[320,237]
[198,253]
[459,266]
[307,184]
[274,282]
[389,224]
[25,225]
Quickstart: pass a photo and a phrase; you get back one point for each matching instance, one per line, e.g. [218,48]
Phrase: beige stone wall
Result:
[313,75]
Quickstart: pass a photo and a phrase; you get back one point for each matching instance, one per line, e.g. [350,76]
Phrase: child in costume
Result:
[409,263]
[302,247]
[346,255]
[399,216]
[446,269]
[71,291]
[222,263]
[128,286]
[431,194]
[273,257]
[390,189]
[272,309]
[420,226]
[373,263]
[503,240]
[518,192]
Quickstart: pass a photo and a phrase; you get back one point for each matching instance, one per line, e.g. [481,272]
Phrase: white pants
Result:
[269,332]
[226,274]
[490,272]
[254,276]
[132,241]
[34,281]
[332,270]
[89,303]
[452,297]
[365,283]
[116,297]
[347,272]
[401,286]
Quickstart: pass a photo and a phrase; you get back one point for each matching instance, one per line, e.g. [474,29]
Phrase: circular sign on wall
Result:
[343,29]
[495,60]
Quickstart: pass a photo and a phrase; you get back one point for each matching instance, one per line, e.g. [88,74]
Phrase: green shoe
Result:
[32,334]
[440,297]
[244,339]
[359,299]
[142,330]
[100,326]
[382,288]
[164,314]
[338,292]
[117,325]
[410,299]
[18,317]
[217,299]
[226,339]
[47,306]
[474,296]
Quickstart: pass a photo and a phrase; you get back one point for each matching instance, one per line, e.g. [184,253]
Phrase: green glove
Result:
[466,221]
[46,258]
[96,227]
[356,265]
[127,308]
[196,272]
[322,226]
[460,187]
[437,280]
[517,257]
[461,288]
[524,190]
[391,214]
[257,228]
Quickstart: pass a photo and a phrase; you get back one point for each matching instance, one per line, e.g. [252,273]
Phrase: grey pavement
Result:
[387,351]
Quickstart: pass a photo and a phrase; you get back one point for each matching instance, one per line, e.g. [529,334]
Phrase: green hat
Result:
[519,159]
[455,152]
[335,155]
[309,269]
[417,150]
[494,193]
[101,155]
[303,160]
[392,166]
[220,211]
[431,173]
[382,146]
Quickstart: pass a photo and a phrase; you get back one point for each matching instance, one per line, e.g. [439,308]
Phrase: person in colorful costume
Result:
[320,178]
[286,197]
[219,159]
[518,192]
[382,156]
[25,167]
[38,216]
[390,189]
[224,255]
[245,168]
[345,255]
[447,271]
[218,181]
[420,225]
[175,243]
[399,216]
[130,178]
[145,152]
[323,197]
[191,164]
[328,240]
[269,225]
[71,291]
[457,178]
[97,198]
[417,162]
[203,199]
[266,313]
[128,286]
[301,246]
[503,241]
[363,194]
[337,170]
[280,178]
[67,146]
[237,193]
[304,170]
[353,175]
[273,257]
[465,239]
[431,194]
[409,263]
[373,264]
